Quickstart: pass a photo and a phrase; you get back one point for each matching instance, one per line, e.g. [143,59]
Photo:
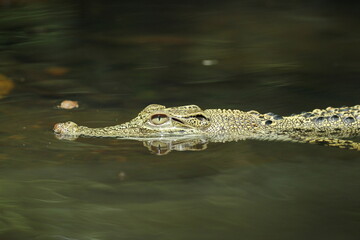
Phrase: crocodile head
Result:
[155,121]
[158,121]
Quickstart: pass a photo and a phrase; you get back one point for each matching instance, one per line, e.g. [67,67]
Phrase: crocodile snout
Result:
[67,128]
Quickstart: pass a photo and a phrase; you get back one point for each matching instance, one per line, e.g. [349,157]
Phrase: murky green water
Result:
[115,59]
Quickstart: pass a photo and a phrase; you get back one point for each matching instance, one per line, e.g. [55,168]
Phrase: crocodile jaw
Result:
[70,130]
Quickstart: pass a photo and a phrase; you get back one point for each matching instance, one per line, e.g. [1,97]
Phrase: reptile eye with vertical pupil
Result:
[159,119]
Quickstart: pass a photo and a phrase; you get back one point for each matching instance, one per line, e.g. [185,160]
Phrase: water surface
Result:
[118,57]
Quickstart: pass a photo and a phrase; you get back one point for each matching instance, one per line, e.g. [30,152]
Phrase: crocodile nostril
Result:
[57,128]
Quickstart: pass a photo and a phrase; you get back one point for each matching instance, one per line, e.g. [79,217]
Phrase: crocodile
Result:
[181,128]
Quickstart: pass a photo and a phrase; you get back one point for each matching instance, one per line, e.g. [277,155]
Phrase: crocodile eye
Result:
[158,119]
[201,117]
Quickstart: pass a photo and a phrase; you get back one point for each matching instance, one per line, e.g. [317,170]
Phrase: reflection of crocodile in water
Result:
[190,128]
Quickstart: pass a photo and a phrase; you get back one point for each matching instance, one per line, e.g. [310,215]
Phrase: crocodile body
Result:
[190,125]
